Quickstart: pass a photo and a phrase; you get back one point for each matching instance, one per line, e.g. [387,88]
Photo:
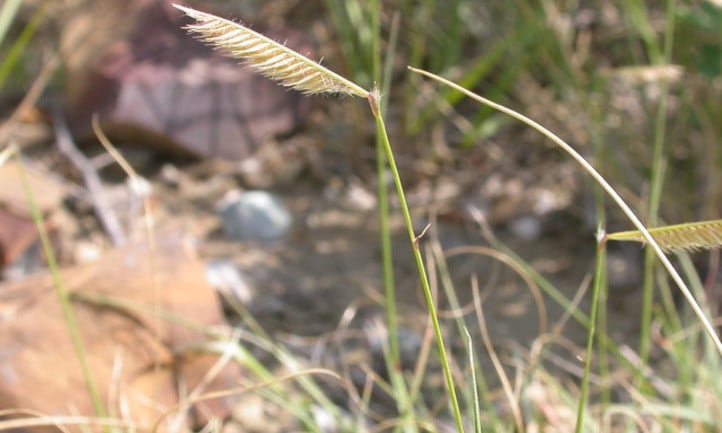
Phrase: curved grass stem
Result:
[686,292]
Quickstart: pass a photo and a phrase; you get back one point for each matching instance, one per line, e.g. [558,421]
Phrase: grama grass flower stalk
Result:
[268,57]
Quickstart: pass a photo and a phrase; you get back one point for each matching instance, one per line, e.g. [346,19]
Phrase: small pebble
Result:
[254,216]
[526,227]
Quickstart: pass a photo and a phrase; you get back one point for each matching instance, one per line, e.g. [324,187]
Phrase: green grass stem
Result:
[656,179]
[392,356]
[599,271]
[602,329]
[474,385]
[374,99]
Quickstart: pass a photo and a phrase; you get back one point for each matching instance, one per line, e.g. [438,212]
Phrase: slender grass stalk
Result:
[421,365]
[383,197]
[376,110]
[709,329]
[656,179]
[61,292]
[393,356]
[649,265]
[387,259]
[599,270]
[600,154]
[698,287]
[147,220]
[474,386]
[373,99]
[438,256]
[440,267]
[506,385]
[602,327]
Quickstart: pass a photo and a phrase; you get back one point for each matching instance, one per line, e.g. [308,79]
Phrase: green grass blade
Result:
[474,385]
[20,45]
[7,15]
[600,266]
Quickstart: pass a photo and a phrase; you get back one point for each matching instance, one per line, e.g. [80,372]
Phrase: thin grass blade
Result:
[474,385]
[268,57]
[703,235]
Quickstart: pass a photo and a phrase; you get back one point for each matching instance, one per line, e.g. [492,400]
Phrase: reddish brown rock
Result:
[153,85]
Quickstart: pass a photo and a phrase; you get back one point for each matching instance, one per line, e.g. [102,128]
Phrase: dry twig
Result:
[96,192]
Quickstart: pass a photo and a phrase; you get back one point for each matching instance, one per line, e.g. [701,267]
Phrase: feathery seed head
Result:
[268,57]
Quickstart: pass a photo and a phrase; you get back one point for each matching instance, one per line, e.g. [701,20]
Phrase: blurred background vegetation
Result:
[593,71]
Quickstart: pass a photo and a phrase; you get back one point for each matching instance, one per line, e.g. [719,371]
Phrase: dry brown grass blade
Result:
[268,57]
[703,235]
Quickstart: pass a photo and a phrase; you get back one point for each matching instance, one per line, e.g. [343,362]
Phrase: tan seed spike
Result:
[689,236]
[268,57]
